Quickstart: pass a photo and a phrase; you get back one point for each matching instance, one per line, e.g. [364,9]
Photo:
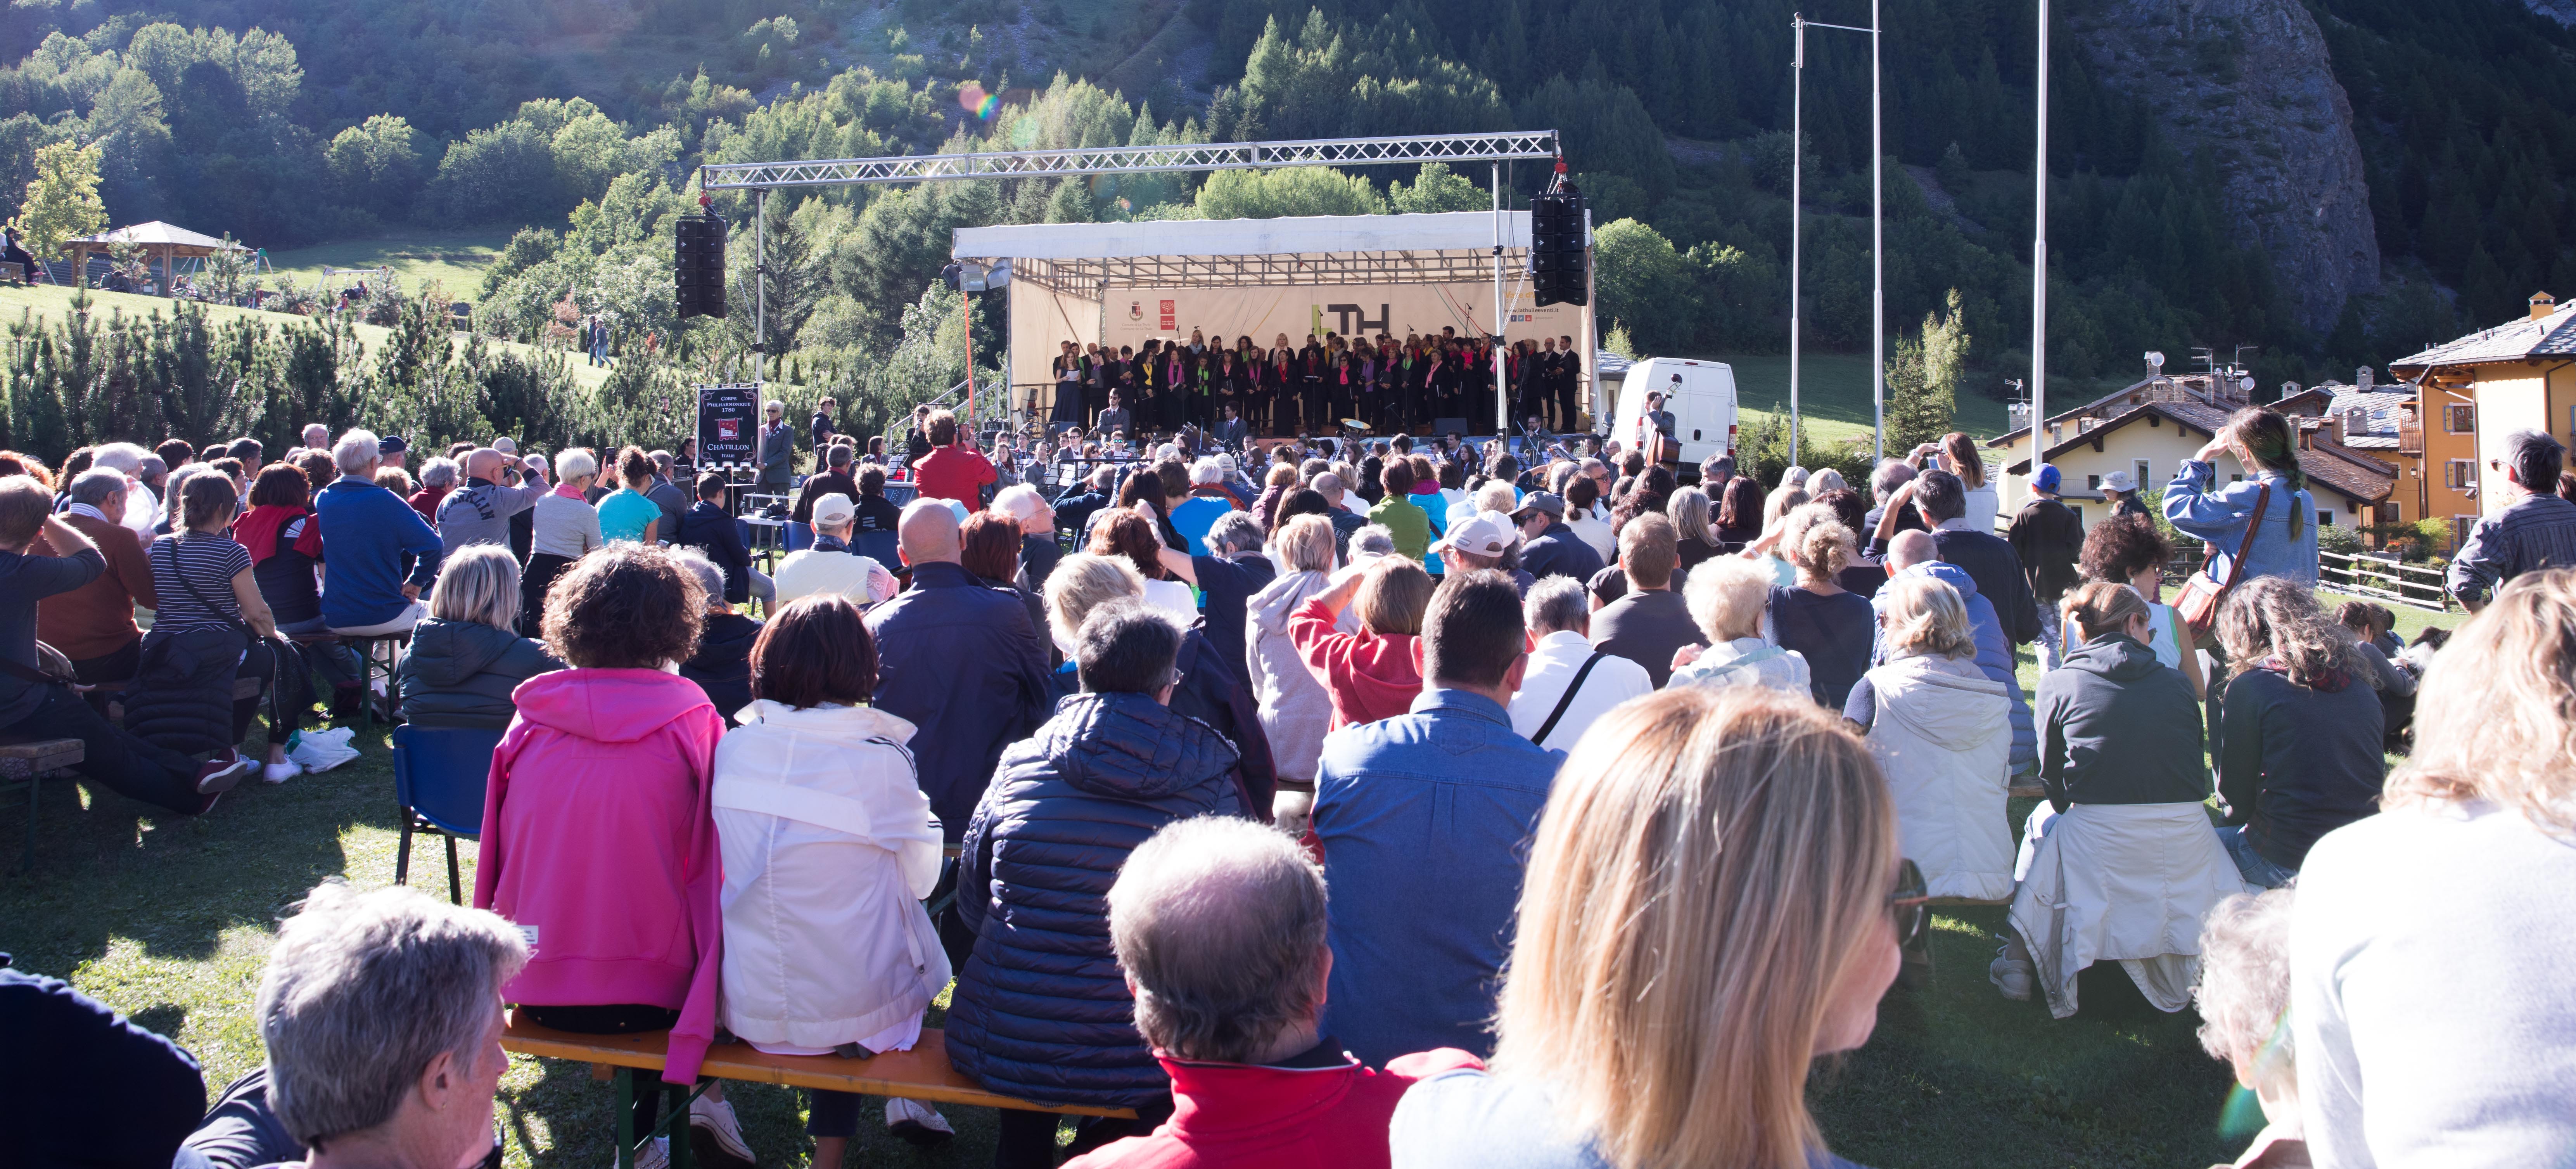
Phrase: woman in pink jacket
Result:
[598,840]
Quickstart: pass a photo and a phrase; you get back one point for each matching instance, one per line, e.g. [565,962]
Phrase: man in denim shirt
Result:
[1424,820]
[2536,530]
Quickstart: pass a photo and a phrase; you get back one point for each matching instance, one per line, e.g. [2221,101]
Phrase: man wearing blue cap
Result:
[2048,536]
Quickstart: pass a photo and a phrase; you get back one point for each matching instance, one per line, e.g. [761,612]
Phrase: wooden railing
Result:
[2386,579]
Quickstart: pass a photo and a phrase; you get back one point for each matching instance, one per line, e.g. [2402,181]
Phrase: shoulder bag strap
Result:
[1567,699]
[2236,565]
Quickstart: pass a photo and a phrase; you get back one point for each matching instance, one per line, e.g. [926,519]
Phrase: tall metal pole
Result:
[1502,393]
[1797,207]
[1877,248]
[2039,268]
[760,287]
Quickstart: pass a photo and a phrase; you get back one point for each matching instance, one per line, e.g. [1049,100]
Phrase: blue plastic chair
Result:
[879,547]
[799,536]
[439,778]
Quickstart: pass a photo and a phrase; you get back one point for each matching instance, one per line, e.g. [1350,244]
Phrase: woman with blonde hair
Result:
[1728,597]
[467,657]
[2299,740]
[1942,731]
[1775,512]
[1696,540]
[1372,673]
[1715,898]
[2460,882]
[1296,710]
[2118,864]
[1827,624]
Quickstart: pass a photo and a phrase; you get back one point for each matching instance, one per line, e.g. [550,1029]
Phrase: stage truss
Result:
[1091,278]
[1131,160]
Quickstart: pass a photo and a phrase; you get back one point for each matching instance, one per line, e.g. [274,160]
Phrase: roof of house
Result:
[2369,414]
[2196,388]
[2347,472]
[2550,336]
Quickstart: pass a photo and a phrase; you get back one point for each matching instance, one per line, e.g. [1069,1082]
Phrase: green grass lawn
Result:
[169,919]
[455,259]
[1835,387]
[48,301]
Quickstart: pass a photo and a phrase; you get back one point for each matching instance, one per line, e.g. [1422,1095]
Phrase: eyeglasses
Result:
[1909,904]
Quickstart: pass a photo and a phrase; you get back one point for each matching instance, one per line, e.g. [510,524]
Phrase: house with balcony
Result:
[2473,391]
[2149,428]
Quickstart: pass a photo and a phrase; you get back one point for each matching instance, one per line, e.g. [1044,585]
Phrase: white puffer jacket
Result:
[828,849]
[1942,732]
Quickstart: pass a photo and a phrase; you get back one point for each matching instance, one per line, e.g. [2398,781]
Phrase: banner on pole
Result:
[729,425]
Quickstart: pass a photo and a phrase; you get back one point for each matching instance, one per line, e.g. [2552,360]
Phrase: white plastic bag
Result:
[323,750]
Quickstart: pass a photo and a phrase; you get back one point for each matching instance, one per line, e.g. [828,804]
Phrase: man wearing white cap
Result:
[829,566]
[2122,492]
[1481,541]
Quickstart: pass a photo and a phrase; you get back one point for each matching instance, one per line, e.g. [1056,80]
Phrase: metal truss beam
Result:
[1122,160]
[1088,277]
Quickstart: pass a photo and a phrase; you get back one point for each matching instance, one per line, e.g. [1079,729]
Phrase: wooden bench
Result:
[29,762]
[922,1073]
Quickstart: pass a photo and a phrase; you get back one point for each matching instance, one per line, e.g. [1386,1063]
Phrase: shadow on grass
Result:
[110,868]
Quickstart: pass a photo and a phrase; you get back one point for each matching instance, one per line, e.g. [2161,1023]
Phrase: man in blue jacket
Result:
[1423,818]
[367,531]
[959,661]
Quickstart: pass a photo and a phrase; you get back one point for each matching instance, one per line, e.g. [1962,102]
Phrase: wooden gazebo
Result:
[164,240]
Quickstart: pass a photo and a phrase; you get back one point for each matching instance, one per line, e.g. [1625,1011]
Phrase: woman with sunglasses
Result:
[1713,901]
[2119,863]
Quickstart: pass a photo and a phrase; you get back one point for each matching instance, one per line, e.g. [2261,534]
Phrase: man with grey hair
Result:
[143,508]
[1038,550]
[1219,926]
[316,436]
[1332,487]
[372,530]
[1883,484]
[1227,574]
[93,625]
[1569,685]
[777,448]
[722,664]
[1194,513]
[479,512]
[381,1013]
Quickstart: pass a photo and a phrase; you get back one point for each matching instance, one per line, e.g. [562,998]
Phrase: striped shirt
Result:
[207,560]
[2530,534]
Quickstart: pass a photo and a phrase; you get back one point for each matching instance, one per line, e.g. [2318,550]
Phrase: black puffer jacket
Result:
[461,673]
[722,665]
[1041,1011]
[2119,727]
[181,698]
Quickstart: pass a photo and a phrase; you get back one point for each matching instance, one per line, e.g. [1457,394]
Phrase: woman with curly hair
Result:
[597,831]
[1824,622]
[1130,535]
[2299,746]
[2131,550]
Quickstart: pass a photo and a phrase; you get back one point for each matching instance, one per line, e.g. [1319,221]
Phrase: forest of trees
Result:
[292,121]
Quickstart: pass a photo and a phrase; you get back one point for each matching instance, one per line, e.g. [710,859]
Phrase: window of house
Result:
[2460,525]
[2325,517]
[2459,474]
[2236,478]
[2459,418]
[2093,482]
[2139,469]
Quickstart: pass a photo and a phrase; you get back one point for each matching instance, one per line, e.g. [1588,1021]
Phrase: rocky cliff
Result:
[2249,81]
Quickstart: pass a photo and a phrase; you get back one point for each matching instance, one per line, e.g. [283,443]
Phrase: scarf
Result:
[568,491]
[257,530]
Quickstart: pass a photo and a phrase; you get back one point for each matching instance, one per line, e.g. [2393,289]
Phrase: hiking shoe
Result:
[280,772]
[222,772]
[916,1123]
[715,1135]
[2013,976]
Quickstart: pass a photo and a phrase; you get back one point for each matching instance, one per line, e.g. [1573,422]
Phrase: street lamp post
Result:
[2039,266]
[1877,224]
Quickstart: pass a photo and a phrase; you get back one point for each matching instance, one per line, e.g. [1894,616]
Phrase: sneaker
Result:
[2013,976]
[916,1123]
[222,772]
[280,772]
[652,1154]
[715,1135]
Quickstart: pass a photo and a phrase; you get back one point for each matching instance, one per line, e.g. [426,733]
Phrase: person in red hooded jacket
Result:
[1218,924]
[1374,673]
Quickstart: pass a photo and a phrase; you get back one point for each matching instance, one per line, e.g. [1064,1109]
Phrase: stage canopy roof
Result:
[159,235]
[1086,258]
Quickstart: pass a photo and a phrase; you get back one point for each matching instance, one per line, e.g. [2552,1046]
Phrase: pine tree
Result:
[1923,378]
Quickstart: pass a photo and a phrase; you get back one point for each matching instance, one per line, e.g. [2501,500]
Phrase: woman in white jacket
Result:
[1295,708]
[1942,731]
[828,847]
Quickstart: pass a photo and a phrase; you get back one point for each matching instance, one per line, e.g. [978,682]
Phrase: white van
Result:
[1700,395]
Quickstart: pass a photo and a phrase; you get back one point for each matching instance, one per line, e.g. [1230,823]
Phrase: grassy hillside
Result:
[1835,387]
[49,302]
[455,259]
